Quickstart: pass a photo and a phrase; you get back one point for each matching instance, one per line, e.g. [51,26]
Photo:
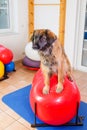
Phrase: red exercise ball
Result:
[54,108]
[6,55]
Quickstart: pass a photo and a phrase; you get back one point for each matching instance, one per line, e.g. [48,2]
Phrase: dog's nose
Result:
[34,47]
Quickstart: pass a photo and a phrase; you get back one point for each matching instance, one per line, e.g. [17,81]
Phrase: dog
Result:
[53,58]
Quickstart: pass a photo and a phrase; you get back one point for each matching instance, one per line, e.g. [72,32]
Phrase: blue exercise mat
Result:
[19,102]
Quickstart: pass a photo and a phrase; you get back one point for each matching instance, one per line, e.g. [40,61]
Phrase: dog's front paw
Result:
[46,90]
[59,87]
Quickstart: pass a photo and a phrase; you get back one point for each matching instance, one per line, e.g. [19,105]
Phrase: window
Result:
[8,13]
[4,14]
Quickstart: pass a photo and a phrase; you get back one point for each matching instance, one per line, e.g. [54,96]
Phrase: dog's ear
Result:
[51,37]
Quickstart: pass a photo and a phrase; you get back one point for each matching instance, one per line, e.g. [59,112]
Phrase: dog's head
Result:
[42,38]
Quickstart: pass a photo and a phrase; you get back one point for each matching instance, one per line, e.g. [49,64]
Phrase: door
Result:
[82,38]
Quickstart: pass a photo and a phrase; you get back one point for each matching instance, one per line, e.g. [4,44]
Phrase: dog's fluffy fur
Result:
[53,57]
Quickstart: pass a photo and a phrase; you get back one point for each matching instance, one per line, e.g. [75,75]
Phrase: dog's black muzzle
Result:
[35,47]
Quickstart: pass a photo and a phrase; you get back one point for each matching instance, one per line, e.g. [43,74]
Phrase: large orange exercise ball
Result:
[54,108]
[6,55]
[1,69]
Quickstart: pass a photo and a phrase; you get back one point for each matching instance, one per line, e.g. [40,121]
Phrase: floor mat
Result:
[19,102]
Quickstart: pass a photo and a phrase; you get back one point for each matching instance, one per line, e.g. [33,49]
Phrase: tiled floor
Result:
[9,120]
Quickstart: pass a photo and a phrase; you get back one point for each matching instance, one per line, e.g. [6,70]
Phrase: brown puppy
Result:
[53,57]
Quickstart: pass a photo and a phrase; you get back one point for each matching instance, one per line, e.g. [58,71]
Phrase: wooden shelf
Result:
[84,49]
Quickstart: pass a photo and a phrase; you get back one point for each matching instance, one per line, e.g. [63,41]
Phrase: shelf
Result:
[84,49]
[85,40]
[85,30]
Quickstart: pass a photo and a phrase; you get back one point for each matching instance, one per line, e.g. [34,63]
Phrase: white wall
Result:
[17,41]
[47,16]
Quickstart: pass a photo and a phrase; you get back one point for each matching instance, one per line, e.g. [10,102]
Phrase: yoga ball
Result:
[6,55]
[1,69]
[10,67]
[31,53]
[54,108]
